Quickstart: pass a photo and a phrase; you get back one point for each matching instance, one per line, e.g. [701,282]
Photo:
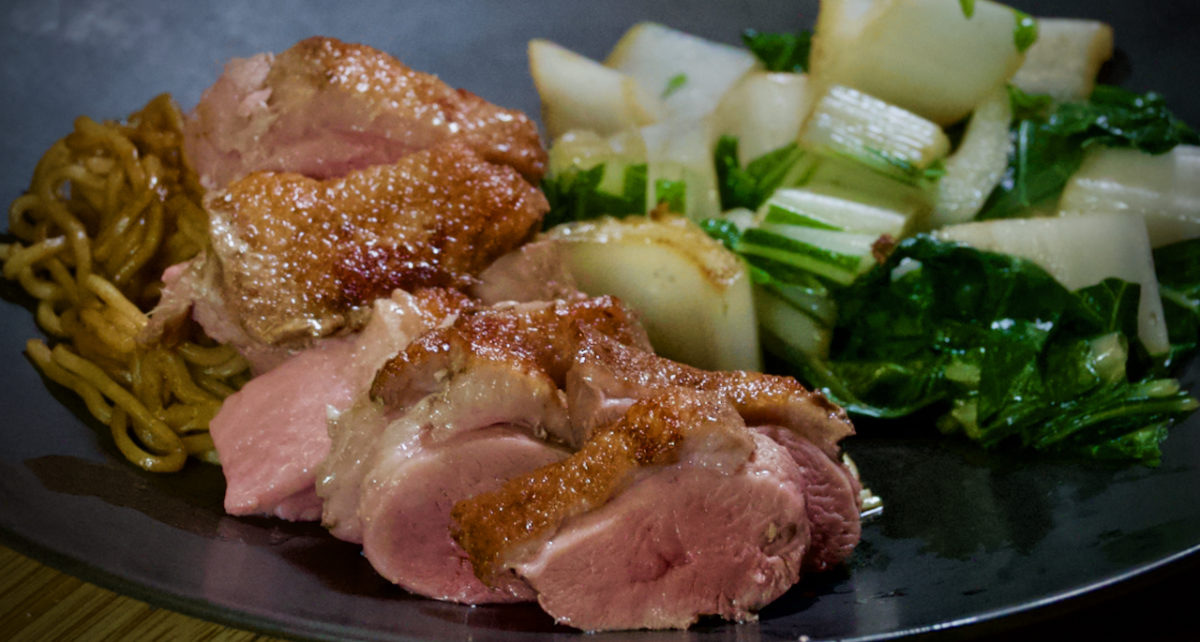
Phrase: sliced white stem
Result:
[580,93]
[978,164]
[806,207]
[694,297]
[679,152]
[1065,59]
[1080,251]
[690,73]
[764,111]
[923,55]
[1164,189]
[849,122]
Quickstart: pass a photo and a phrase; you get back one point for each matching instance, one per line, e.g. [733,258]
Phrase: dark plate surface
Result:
[967,536]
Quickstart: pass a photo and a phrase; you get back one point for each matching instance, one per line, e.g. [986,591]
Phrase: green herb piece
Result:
[583,194]
[674,84]
[1026,31]
[968,8]
[724,231]
[780,51]
[750,186]
[673,193]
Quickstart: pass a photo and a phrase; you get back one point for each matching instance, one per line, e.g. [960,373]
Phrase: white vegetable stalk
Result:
[580,93]
[835,255]
[926,56]
[851,123]
[764,111]
[978,164]
[694,296]
[584,149]
[790,326]
[679,155]
[1164,189]
[1065,59]
[1080,251]
[688,72]
[833,175]
[809,208]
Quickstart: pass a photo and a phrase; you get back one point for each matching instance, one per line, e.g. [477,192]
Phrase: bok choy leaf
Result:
[780,51]
[1049,145]
[995,347]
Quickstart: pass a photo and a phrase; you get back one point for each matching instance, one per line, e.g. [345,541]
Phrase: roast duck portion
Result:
[433,388]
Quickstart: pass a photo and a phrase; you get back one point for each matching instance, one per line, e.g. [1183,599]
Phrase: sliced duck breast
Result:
[832,500]
[406,511]
[271,435]
[295,258]
[492,368]
[673,512]
[323,108]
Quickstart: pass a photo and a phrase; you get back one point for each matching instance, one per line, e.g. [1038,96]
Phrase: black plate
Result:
[968,537]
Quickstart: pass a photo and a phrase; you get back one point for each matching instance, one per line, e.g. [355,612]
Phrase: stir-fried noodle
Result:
[109,207]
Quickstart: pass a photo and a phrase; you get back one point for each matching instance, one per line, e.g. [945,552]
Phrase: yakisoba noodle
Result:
[110,206]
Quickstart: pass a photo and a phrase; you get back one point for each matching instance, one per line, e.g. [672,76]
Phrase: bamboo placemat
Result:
[38,603]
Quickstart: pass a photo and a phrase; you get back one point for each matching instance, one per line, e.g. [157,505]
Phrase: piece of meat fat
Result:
[324,107]
[271,435]
[297,258]
[533,272]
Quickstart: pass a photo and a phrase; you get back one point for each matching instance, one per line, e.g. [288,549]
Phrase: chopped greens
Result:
[673,193]
[780,51]
[1178,269]
[1049,145]
[674,84]
[1001,347]
[582,194]
[748,187]
[990,343]
[968,7]
[1026,31]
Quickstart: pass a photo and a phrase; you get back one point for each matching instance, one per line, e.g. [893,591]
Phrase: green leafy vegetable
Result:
[1178,269]
[996,347]
[1049,146]
[581,194]
[780,51]
[674,84]
[673,193]
[749,187]
[724,231]
[968,7]
[1026,31]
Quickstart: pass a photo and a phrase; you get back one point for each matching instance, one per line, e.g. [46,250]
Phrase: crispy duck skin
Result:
[531,337]
[608,376]
[325,107]
[298,257]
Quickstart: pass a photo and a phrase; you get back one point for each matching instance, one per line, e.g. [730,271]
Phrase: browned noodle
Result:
[110,206]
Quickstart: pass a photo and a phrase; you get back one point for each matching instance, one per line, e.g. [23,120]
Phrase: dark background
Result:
[985,544]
